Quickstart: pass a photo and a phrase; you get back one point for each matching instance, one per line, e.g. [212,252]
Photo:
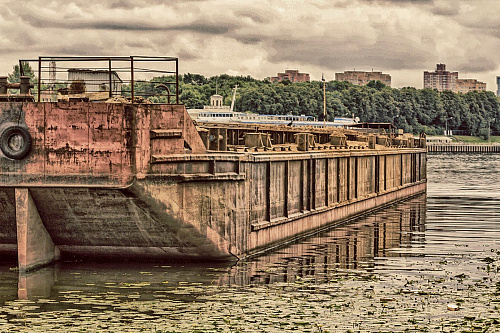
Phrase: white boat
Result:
[218,113]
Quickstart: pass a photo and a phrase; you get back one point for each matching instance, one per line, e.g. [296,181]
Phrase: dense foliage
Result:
[16,73]
[414,110]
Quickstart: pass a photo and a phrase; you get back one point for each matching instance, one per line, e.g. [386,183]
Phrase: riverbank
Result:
[464,139]
[463,148]
[477,139]
[463,144]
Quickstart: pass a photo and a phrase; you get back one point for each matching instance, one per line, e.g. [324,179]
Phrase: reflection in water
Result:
[421,254]
[124,280]
[354,246]
[36,284]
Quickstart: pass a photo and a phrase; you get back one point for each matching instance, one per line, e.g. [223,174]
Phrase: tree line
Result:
[414,110]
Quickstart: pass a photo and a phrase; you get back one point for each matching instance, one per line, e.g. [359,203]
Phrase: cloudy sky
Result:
[262,37]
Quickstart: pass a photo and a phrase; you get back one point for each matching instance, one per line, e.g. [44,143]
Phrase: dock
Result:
[463,148]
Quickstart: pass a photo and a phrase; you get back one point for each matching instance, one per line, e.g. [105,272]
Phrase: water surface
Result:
[394,270]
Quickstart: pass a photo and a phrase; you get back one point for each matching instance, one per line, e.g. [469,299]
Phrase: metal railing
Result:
[155,79]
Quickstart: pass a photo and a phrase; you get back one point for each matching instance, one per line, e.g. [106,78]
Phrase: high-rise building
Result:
[360,78]
[291,74]
[466,85]
[498,86]
[441,79]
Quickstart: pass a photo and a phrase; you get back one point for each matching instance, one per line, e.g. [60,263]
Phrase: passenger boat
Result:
[218,113]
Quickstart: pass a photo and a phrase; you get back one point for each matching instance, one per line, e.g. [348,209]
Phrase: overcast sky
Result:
[402,38]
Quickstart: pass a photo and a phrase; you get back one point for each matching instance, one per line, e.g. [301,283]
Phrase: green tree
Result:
[414,110]
[195,79]
[27,71]
[376,84]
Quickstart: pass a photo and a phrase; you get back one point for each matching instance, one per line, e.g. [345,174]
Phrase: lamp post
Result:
[489,129]
[446,125]
[324,99]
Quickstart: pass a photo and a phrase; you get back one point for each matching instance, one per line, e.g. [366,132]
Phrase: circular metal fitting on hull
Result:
[15,141]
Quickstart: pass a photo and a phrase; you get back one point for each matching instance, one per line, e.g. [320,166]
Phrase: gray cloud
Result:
[186,55]
[255,17]
[363,57]
[36,22]
[446,10]
[261,37]
[250,39]
[399,2]
[479,64]
[123,4]
[204,27]
[83,49]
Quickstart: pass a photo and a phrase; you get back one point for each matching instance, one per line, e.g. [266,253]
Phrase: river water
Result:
[431,263]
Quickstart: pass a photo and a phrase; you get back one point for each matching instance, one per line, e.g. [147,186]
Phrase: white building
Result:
[96,80]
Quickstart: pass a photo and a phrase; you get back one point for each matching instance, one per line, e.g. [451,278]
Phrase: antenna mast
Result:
[52,71]
[234,97]
[324,99]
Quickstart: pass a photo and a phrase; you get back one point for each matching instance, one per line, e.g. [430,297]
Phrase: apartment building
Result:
[291,74]
[360,78]
[441,79]
[466,85]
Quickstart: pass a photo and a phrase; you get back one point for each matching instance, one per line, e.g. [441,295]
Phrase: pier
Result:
[463,148]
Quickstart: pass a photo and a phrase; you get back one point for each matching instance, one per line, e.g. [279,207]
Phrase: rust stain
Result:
[111,141]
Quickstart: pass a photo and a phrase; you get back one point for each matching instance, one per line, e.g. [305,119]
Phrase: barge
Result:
[122,178]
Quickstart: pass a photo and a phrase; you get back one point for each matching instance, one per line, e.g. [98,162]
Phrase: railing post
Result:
[176,80]
[110,81]
[132,77]
[39,77]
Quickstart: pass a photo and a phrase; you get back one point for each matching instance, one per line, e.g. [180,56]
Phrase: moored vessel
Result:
[108,175]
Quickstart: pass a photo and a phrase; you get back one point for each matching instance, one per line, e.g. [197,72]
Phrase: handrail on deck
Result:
[125,76]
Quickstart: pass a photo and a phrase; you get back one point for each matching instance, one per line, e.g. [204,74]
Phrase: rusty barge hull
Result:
[137,181]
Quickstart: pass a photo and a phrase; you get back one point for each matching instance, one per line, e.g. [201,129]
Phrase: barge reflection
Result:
[355,247]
